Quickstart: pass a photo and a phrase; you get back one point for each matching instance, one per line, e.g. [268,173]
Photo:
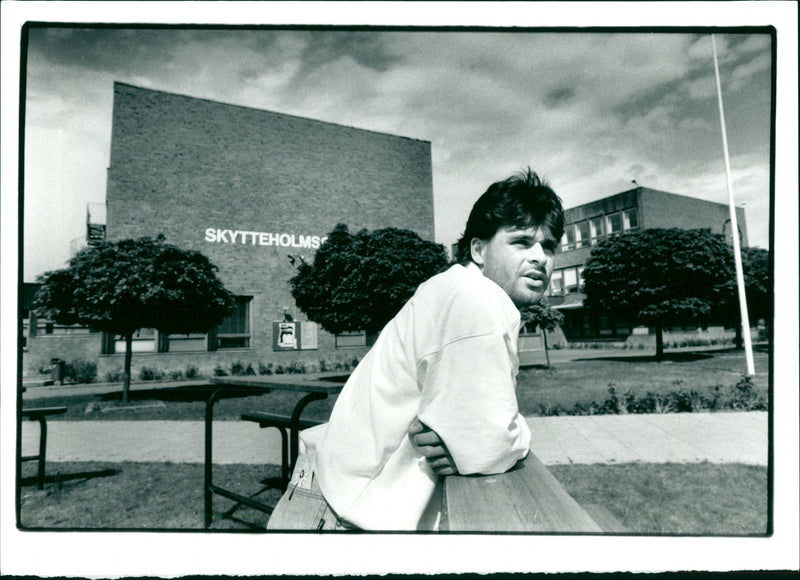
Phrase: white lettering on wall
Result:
[223,236]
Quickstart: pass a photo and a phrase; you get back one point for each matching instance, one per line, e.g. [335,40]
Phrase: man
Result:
[436,393]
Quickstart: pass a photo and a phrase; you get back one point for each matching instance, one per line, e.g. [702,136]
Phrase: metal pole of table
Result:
[209,420]
[295,425]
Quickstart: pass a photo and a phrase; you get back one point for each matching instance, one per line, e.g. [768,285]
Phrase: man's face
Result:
[520,261]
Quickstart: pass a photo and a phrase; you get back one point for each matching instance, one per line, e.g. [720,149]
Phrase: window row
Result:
[233,333]
[590,232]
[566,281]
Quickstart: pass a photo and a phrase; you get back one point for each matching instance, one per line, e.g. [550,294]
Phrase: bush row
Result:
[596,345]
[237,368]
[740,397]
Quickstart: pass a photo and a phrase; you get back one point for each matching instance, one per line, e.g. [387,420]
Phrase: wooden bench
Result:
[40,414]
[528,498]
[283,424]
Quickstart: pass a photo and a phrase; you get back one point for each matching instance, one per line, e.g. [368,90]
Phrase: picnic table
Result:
[313,389]
[39,414]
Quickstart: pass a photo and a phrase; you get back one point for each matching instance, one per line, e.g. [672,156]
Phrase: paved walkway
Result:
[722,437]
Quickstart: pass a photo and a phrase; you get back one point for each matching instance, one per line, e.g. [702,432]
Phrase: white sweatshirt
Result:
[449,357]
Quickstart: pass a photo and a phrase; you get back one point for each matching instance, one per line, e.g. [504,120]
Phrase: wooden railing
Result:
[528,498]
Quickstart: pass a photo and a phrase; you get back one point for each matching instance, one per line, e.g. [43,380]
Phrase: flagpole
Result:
[737,251]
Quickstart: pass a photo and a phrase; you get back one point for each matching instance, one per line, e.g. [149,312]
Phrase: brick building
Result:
[637,209]
[250,189]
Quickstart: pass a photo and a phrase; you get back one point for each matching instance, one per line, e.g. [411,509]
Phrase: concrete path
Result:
[735,437]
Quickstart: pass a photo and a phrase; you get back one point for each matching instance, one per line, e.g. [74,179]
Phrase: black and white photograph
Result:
[358,288]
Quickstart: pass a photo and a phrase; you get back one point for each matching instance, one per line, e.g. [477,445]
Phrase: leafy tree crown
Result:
[660,276]
[122,286]
[360,281]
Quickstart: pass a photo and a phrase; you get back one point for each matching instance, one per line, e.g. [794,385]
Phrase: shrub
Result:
[264,369]
[115,376]
[611,404]
[80,371]
[191,372]
[176,375]
[580,409]
[238,369]
[220,372]
[745,398]
[629,404]
[549,410]
[687,401]
[296,367]
[715,401]
[148,374]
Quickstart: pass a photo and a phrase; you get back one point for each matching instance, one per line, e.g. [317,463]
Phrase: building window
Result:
[630,219]
[598,229]
[605,325]
[557,283]
[183,343]
[351,339]
[615,224]
[569,237]
[355,339]
[583,234]
[144,340]
[571,280]
[580,279]
[234,332]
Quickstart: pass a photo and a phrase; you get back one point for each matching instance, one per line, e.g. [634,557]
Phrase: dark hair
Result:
[522,201]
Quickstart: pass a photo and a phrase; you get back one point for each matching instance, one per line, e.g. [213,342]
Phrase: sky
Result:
[589,111]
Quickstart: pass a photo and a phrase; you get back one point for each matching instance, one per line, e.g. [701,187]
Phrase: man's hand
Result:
[431,446]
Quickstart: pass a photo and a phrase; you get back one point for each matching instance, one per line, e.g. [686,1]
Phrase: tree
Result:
[121,287]
[758,292]
[540,315]
[757,283]
[661,277]
[360,281]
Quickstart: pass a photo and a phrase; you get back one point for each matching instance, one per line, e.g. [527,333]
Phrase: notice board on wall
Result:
[295,336]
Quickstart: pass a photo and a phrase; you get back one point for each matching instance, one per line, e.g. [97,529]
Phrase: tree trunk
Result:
[659,342]
[546,353]
[126,376]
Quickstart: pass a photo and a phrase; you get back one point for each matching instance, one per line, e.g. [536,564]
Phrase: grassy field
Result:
[540,390]
[691,499]
[651,499]
[583,381]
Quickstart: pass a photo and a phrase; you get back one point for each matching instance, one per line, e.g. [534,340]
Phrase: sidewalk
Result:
[722,437]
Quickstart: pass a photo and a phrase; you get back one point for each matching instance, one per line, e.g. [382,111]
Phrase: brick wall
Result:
[40,349]
[188,167]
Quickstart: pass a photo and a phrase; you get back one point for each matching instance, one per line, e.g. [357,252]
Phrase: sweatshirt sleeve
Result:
[469,399]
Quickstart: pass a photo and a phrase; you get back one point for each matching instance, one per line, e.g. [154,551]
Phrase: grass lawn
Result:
[671,499]
[582,381]
[652,499]
[564,384]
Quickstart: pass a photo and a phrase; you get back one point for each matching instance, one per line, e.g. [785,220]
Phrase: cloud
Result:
[589,111]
